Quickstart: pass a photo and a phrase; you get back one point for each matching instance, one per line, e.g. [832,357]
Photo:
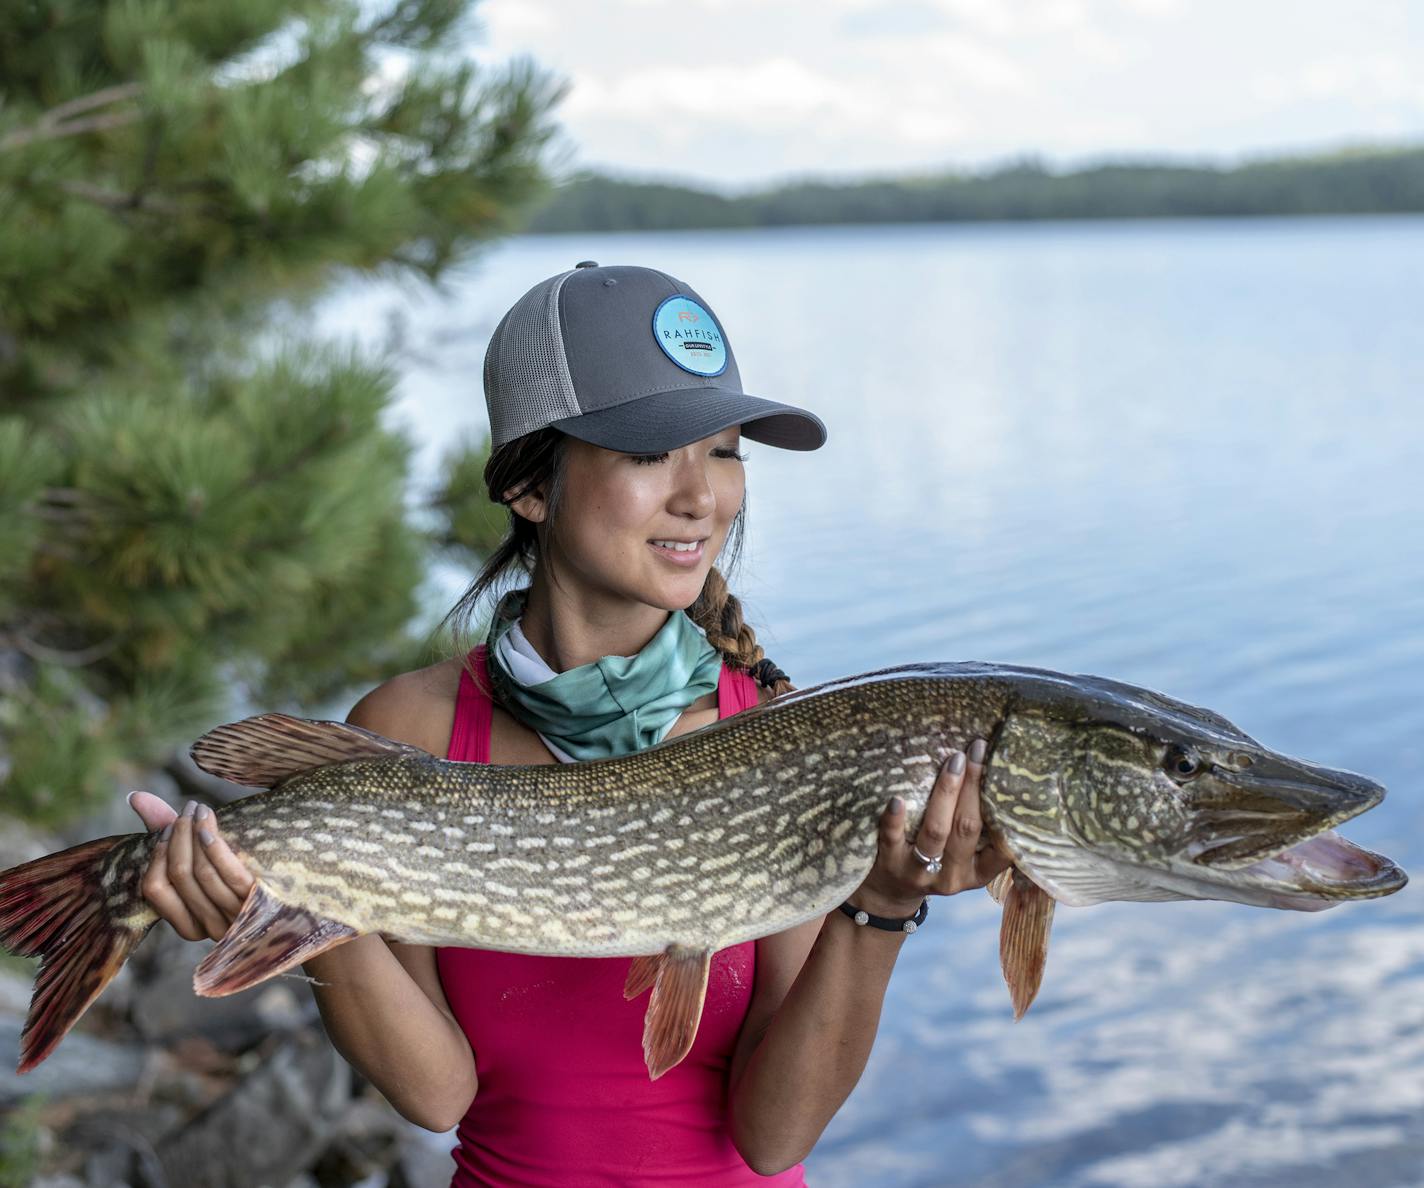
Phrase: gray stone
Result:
[271,1126]
[425,1160]
[164,1007]
[80,1067]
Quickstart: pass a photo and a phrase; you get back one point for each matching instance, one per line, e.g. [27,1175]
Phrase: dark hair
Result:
[536,461]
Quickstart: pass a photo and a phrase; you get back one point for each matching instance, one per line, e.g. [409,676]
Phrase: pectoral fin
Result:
[678,977]
[266,937]
[1023,938]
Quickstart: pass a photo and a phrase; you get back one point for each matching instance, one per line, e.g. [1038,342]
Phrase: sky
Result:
[738,93]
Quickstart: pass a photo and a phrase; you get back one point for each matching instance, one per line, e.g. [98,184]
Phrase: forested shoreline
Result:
[1356,181]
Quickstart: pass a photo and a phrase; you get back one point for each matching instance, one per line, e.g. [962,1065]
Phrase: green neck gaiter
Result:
[613,706]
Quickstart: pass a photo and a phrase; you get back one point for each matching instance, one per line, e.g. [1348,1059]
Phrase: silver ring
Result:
[932,865]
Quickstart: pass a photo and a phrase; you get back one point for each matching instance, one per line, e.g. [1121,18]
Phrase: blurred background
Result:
[1112,309]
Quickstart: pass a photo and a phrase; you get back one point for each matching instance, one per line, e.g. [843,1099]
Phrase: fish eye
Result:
[1181,764]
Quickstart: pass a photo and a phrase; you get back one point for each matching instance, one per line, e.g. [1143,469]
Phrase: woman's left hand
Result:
[949,832]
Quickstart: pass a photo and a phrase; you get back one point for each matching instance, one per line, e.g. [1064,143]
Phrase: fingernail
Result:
[976,750]
[205,837]
[167,832]
[956,763]
[190,808]
[128,800]
[201,814]
[896,804]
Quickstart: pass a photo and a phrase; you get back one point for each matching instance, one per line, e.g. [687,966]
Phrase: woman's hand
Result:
[194,880]
[949,832]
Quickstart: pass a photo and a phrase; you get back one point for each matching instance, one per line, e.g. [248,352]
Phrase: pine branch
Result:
[52,125]
[85,103]
[112,200]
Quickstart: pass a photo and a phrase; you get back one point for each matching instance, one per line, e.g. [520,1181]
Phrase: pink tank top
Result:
[564,1099]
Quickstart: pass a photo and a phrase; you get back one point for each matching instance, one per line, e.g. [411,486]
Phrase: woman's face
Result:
[620,515]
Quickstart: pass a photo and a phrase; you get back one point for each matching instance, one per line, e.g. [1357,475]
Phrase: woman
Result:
[616,411]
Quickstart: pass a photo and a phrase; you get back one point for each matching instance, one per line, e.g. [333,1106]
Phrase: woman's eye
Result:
[717,452]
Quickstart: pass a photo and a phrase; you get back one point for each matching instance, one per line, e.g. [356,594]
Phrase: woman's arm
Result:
[382,1004]
[385,1011]
[819,987]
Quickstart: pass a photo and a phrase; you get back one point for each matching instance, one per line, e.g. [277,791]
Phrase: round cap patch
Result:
[689,336]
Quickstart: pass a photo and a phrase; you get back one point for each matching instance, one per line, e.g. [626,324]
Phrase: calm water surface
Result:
[1189,455]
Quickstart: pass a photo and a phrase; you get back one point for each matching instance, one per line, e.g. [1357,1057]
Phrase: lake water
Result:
[1188,455]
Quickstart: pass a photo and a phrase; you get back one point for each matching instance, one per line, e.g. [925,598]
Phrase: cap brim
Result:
[670,420]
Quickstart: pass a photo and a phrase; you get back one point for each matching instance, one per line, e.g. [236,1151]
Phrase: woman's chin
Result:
[675,595]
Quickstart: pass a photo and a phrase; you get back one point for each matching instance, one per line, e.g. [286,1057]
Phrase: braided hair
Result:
[536,461]
[719,613]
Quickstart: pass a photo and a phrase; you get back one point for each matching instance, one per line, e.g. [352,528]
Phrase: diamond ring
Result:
[932,865]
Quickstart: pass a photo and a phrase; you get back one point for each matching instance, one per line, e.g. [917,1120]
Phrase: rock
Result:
[112,814]
[80,1067]
[21,842]
[164,1007]
[271,1126]
[425,1158]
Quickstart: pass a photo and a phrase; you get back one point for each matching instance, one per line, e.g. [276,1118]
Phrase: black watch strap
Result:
[887,923]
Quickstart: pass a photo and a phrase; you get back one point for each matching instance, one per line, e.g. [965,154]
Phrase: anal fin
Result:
[1023,938]
[678,977]
[266,937]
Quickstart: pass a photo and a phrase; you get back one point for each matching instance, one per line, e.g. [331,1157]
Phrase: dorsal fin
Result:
[263,751]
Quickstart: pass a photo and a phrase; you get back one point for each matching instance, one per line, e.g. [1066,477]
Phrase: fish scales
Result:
[1092,789]
[706,813]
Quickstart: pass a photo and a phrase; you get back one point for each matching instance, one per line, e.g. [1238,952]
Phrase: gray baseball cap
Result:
[627,358]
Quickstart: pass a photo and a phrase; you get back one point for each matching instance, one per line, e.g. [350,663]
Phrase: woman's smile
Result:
[688,554]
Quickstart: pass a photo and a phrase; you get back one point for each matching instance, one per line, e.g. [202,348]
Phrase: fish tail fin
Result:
[81,912]
[266,937]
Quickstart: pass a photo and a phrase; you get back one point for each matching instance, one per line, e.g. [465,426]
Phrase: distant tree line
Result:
[1357,181]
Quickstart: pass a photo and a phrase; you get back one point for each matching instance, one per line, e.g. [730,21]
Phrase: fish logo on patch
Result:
[690,336]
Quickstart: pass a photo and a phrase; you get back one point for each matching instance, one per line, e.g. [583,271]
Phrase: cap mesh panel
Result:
[527,381]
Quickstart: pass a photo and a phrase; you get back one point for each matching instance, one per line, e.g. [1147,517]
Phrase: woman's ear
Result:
[530,505]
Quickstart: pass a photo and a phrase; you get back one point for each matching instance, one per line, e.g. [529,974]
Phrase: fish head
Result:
[1155,798]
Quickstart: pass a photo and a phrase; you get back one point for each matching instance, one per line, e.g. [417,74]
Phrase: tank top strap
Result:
[736,691]
[474,711]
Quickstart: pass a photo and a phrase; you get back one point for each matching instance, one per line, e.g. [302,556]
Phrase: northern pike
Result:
[1095,790]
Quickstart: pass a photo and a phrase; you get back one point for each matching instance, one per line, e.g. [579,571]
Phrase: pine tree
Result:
[201,508]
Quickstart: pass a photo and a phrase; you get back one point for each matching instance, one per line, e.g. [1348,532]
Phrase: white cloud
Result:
[848,86]
[775,92]
[1023,18]
[1375,78]
[514,20]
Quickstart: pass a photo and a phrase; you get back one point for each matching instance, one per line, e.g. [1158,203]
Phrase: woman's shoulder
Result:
[416,707]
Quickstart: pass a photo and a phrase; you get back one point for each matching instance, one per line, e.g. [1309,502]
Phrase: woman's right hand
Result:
[193,880]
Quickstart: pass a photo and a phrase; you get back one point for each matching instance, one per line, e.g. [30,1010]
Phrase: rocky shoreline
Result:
[156,1087]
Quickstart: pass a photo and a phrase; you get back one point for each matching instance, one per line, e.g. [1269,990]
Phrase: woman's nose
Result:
[694,495]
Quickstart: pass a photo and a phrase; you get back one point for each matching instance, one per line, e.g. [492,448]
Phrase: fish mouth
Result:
[1321,871]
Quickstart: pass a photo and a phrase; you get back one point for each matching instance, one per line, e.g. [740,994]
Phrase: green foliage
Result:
[22,1141]
[473,522]
[1355,182]
[201,511]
